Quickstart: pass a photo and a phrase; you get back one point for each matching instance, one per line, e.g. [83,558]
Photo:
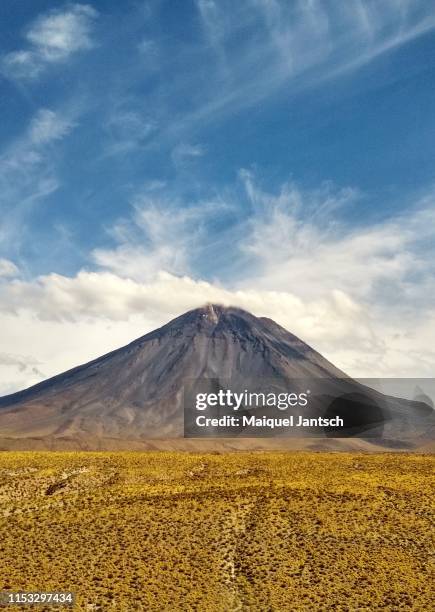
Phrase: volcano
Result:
[136,392]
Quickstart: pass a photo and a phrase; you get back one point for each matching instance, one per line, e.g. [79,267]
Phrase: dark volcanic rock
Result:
[137,391]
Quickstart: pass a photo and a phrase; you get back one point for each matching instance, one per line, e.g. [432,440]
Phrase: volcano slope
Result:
[135,393]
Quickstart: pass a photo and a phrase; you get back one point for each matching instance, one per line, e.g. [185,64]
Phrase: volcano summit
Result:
[136,392]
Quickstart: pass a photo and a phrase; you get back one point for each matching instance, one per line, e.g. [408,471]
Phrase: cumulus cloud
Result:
[52,38]
[97,312]
[106,301]
[361,295]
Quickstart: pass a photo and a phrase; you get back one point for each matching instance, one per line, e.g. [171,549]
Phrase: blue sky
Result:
[278,155]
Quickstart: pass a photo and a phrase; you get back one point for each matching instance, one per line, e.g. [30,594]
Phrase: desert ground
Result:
[266,531]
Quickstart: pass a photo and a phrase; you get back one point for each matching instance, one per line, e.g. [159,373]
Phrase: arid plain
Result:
[219,532]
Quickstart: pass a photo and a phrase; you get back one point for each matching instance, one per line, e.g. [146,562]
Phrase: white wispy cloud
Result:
[52,38]
[47,126]
[161,235]
[289,46]
[149,54]
[28,171]
[8,268]
[215,20]
[212,18]
[294,240]
[127,130]
[184,152]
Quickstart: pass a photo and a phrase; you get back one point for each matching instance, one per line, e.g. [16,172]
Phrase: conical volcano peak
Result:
[213,316]
[203,319]
[212,312]
[216,319]
[136,389]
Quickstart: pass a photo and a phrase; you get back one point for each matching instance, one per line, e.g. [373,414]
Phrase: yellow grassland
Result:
[256,531]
